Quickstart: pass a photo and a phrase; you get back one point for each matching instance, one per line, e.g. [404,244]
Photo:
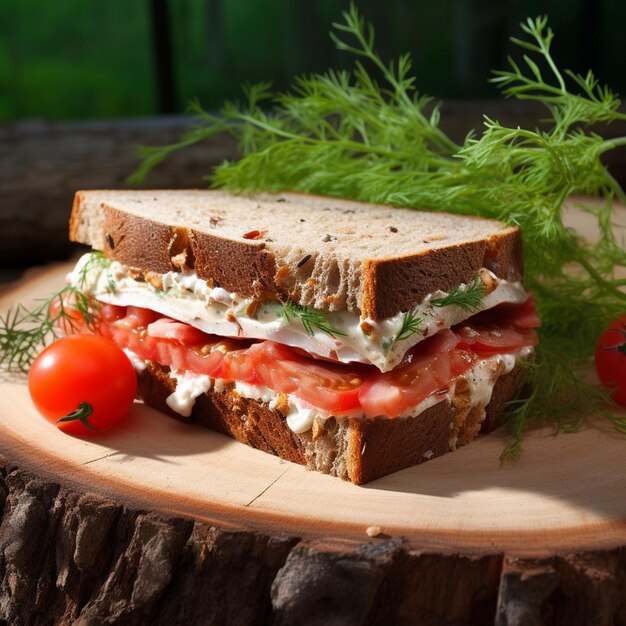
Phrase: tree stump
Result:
[160,522]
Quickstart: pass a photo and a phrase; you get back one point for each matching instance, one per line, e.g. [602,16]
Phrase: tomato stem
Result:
[82,413]
[620,347]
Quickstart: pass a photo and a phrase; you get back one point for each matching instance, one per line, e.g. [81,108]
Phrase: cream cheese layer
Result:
[347,337]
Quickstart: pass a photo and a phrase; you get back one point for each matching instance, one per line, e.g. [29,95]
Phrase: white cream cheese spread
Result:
[189,299]
[188,387]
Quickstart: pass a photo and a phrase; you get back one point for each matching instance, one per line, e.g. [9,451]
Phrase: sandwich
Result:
[352,338]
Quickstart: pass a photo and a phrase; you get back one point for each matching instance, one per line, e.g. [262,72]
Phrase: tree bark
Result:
[44,163]
[70,557]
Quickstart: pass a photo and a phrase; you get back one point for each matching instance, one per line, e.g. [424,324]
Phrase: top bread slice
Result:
[328,253]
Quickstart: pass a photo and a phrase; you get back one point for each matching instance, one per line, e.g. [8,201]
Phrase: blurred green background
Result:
[74,59]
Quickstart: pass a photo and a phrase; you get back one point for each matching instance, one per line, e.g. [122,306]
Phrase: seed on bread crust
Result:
[305,259]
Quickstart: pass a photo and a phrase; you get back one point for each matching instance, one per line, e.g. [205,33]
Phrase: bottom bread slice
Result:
[354,449]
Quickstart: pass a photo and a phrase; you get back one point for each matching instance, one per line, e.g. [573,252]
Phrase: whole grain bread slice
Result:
[354,449]
[328,253]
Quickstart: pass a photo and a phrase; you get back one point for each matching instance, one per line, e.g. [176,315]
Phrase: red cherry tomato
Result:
[611,359]
[82,383]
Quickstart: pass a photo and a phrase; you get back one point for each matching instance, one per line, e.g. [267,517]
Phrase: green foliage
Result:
[468,297]
[24,332]
[75,59]
[311,319]
[347,134]
[410,325]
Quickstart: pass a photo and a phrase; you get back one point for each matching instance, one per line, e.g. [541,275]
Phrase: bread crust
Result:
[394,285]
[375,287]
[358,450]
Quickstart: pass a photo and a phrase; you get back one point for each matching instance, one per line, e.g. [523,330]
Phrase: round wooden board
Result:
[565,493]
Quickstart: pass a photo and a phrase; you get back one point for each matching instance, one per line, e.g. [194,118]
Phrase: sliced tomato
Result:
[522,316]
[238,366]
[68,319]
[138,318]
[322,384]
[338,388]
[494,340]
[111,312]
[171,343]
[245,364]
[526,315]
[63,310]
[330,387]
[167,328]
[428,368]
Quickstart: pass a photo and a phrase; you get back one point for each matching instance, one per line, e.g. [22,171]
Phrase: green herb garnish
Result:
[310,318]
[410,325]
[24,332]
[467,297]
[351,135]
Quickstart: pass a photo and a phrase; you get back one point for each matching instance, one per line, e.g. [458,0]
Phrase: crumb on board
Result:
[373,531]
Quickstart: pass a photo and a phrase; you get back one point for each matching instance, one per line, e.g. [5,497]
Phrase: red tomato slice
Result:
[526,315]
[111,312]
[330,387]
[322,384]
[428,368]
[167,328]
[171,343]
[136,317]
[239,366]
[485,341]
[522,316]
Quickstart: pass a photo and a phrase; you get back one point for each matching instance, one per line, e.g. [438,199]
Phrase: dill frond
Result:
[25,332]
[310,318]
[410,325]
[467,297]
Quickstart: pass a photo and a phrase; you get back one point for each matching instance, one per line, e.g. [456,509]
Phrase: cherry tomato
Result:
[611,359]
[82,383]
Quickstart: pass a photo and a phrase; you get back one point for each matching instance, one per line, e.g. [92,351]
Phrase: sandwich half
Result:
[352,338]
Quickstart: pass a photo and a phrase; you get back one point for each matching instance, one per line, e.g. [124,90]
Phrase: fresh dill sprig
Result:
[467,297]
[311,319]
[552,382]
[352,135]
[410,325]
[24,332]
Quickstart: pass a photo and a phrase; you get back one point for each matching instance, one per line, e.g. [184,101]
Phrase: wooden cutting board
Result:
[560,494]
[567,494]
